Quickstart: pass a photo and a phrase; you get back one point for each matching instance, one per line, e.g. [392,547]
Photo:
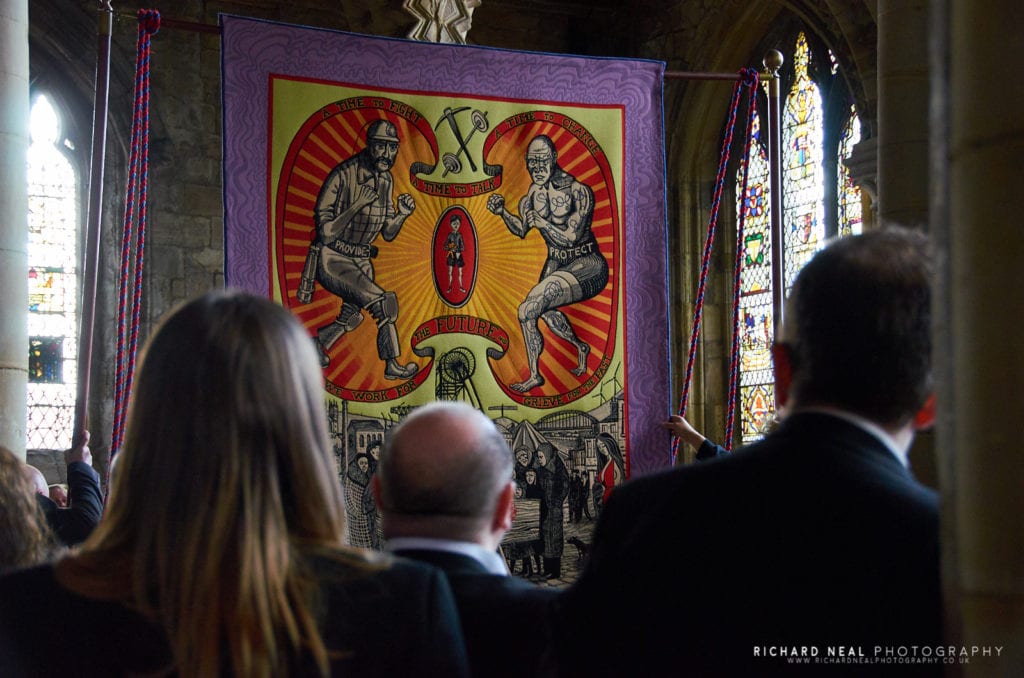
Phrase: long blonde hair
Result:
[225,480]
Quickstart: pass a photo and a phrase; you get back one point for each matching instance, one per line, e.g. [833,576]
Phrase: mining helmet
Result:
[381,130]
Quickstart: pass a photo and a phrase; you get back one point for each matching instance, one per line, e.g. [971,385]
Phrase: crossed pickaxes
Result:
[451,161]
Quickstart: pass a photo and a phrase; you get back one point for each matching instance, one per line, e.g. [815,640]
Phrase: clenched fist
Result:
[496,203]
[406,204]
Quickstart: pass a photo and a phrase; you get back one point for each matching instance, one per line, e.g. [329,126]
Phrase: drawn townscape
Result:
[565,463]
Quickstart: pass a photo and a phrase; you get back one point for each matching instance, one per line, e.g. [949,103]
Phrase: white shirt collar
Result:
[900,451]
[493,562]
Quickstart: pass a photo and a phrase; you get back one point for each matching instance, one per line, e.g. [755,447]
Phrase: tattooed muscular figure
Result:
[561,208]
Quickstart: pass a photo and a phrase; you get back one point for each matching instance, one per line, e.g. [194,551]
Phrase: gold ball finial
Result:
[773,60]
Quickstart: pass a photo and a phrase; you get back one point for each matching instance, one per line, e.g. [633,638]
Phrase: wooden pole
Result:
[90,267]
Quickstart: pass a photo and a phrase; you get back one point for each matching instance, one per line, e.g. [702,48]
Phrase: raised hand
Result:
[406,204]
[496,203]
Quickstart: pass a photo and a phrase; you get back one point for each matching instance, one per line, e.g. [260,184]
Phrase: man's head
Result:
[455,222]
[857,332]
[523,456]
[59,494]
[38,480]
[446,472]
[540,159]
[382,144]
[545,452]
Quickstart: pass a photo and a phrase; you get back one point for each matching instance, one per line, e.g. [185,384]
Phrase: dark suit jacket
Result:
[816,537]
[504,619]
[398,621]
[710,450]
[85,505]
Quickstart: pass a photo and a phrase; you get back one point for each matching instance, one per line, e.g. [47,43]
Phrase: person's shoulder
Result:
[526,590]
[506,585]
[38,587]
[561,180]
[341,167]
[680,488]
[490,601]
[27,597]
[369,568]
[365,594]
[662,481]
[33,598]
[451,562]
[26,582]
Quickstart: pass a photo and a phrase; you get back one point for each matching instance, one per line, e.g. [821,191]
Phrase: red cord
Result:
[734,360]
[138,166]
[698,311]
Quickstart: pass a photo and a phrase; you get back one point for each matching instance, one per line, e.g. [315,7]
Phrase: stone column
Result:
[902,190]
[13,223]
[903,111]
[983,494]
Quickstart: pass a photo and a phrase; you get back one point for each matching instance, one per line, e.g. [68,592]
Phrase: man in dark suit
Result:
[814,546]
[445,490]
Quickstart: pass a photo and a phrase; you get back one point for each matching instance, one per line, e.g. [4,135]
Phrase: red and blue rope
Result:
[133,239]
[698,311]
[750,81]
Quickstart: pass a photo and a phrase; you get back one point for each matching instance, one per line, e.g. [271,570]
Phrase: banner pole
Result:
[773,62]
[90,267]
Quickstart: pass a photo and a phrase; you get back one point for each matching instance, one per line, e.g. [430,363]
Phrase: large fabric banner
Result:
[462,223]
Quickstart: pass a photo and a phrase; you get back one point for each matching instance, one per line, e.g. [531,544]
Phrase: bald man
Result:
[561,209]
[85,501]
[445,490]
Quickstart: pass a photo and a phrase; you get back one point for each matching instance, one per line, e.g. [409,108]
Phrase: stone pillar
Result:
[903,111]
[902,190]
[983,495]
[13,223]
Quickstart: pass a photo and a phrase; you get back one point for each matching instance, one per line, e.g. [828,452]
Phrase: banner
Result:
[462,223]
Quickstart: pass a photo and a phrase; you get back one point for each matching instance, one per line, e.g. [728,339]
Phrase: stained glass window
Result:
[803,175]
[803,223]
[53,220]
[757,381]
[850,215]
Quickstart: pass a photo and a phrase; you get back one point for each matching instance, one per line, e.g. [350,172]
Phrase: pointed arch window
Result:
[807,222]
[803,173]
[53,221]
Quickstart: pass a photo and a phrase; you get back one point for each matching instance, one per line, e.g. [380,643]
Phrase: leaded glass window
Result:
[53,220]
[757,381]
[850,214]
[803,175]
[804,224]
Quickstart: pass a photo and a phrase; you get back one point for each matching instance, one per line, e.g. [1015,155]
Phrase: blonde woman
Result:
[221,549]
